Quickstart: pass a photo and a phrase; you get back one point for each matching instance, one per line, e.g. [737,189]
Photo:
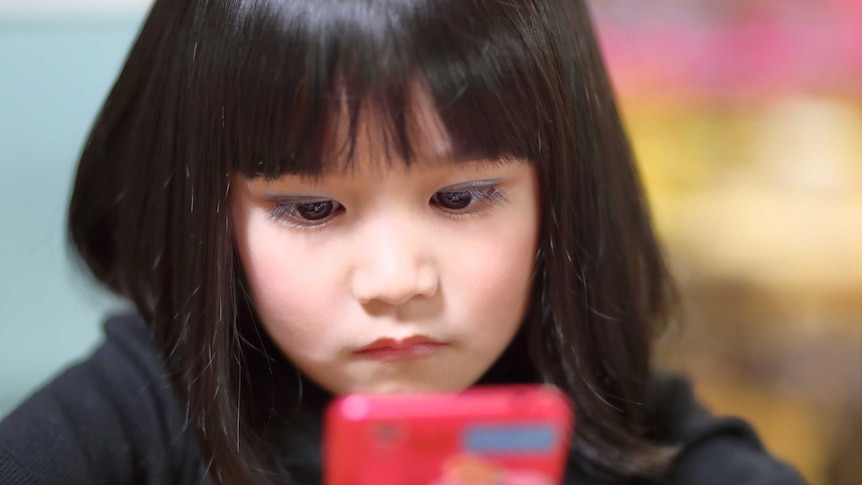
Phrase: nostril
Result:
[428,281]
[395,288]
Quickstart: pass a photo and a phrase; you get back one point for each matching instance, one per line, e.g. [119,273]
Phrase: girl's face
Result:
[385,278]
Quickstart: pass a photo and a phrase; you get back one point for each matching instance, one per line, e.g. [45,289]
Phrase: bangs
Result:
[287,84]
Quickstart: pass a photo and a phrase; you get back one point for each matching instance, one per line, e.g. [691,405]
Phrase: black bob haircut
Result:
[212,88]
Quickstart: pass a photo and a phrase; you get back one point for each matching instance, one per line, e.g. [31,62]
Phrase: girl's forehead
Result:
[369,139]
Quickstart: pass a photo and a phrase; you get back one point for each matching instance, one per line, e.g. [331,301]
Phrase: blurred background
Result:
[746,117]
[58,59]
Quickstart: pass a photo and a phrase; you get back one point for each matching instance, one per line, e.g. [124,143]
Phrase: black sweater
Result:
[114,419]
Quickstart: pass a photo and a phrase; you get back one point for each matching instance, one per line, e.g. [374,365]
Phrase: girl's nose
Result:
[394,268]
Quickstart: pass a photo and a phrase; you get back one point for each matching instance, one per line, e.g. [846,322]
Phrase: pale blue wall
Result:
[54,75]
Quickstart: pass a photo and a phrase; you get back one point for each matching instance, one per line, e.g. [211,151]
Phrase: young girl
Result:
[312,197]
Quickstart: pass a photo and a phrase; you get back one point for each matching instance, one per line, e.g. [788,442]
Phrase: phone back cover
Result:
[503,435]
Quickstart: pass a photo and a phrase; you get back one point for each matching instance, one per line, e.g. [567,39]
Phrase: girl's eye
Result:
[453,200]
[458,200]
[315,211]
[311,213]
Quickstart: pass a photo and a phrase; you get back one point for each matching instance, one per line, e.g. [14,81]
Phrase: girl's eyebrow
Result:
[279,180]
[466,163]
[474,184]
[473,159]
[438,162]
[296,197]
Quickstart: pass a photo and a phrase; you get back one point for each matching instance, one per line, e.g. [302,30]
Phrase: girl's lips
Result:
[390,349]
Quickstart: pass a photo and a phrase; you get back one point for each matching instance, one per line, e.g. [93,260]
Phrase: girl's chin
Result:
[404,387]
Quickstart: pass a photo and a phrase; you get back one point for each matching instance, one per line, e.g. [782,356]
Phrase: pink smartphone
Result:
[495,435]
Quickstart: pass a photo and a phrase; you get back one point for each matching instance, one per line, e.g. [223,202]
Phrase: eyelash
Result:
[483,197]
[288,213]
